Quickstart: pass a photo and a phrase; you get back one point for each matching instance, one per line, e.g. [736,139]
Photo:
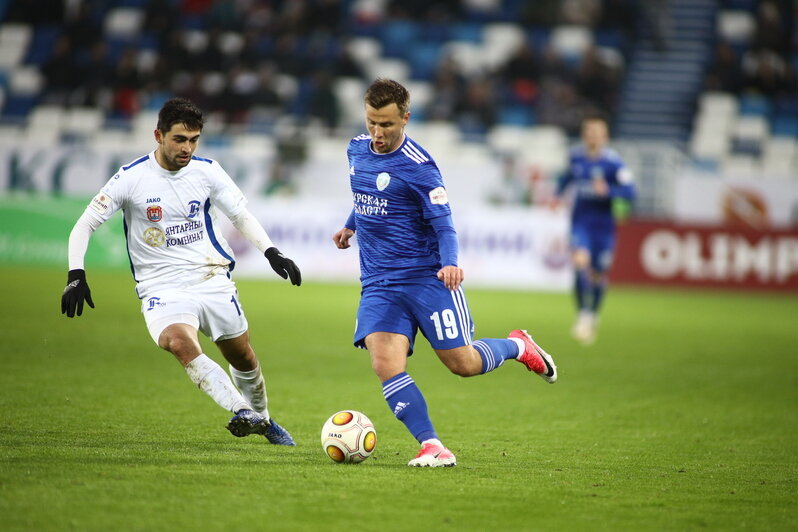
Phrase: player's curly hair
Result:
[384,92]
[180,111]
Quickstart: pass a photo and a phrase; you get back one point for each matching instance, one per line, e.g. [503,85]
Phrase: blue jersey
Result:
[395,196]
[589,208]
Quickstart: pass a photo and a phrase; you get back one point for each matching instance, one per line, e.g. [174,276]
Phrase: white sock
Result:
[211,379]
[434,441]
[253,388]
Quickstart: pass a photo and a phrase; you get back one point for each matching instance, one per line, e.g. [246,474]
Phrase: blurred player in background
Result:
[603,189]
[182,264]
[409,273]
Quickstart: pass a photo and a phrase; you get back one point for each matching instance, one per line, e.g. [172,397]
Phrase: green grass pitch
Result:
[683,416]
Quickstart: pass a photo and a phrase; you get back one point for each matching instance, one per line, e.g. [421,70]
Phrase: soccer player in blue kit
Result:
[600,180]
[409,273]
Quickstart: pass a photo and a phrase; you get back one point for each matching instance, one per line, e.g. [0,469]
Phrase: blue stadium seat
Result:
[516,115]
[786,106]
[466,32]
[42,44]
[423,58]
[539,37]
[397,35]
[754,104]
[609,38]
[17,106]
[784,126]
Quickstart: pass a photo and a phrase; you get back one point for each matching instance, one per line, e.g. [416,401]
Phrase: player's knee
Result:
[175,344]
[581,259]
[463,367]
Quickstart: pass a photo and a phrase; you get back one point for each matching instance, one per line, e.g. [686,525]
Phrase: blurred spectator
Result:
[621,15]
[126,83]
[323,101]
[212,56]
[223,15]
[38,12]
[475,111]
[771,30]
[287,56]
[522,74]
[161,18]
[724,72]
[83,29]
[239,94]
[543,13]
[580,12]
[325,16]
[597,81]
[175,54]
[447,86]
[561,105]
[97,75]
[266,101]
[768,73]
[345,65]
[657,16]
[61,73]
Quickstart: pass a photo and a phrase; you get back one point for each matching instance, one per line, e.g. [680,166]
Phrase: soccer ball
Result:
[348,437]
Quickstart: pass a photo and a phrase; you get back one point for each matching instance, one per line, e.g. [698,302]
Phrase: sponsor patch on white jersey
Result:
[383,178]
[438,196]
[101,203]
[154,236]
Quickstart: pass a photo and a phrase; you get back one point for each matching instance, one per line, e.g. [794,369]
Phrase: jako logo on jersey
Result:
[193,208]
[154,213]
[382,180]
[399,407]
[153,200]
[154,302]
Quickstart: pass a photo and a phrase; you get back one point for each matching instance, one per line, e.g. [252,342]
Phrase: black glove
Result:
[284,267]
[76,291]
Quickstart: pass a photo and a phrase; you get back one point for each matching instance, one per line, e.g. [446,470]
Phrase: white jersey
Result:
[170,220]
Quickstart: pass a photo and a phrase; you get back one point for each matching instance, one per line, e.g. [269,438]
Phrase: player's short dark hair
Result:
[180,111]
[593,116]
[384,92]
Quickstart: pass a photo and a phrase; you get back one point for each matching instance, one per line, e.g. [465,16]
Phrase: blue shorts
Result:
[404,308]
[600,243]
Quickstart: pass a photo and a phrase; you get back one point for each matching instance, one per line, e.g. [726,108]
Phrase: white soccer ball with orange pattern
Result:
[348,437]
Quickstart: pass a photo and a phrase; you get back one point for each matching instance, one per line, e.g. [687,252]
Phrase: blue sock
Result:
[581,289]
[408,405]
[599,287]
[494,351]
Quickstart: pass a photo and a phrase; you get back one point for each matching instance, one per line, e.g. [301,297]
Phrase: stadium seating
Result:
[657,93]
[741,128]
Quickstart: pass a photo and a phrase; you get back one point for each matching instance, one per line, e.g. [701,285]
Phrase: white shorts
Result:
[211,306]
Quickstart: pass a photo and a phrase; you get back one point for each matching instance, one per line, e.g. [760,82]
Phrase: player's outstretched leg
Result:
[534,358]
[433,454]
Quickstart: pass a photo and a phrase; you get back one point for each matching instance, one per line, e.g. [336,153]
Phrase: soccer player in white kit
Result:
[181,264]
